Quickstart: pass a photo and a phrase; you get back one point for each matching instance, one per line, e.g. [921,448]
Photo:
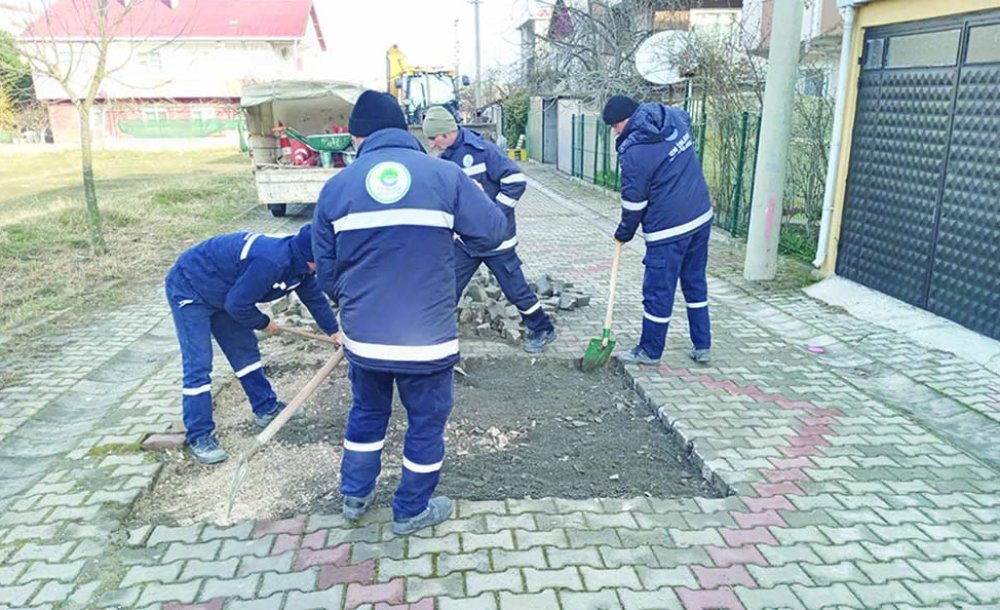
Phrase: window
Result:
[150,60]
[984,44]
[814,82]
[154,115]
[97,118]
[874,52]
[924,50]
[203,114]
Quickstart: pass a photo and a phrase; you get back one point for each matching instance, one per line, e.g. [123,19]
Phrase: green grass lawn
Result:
[153,205]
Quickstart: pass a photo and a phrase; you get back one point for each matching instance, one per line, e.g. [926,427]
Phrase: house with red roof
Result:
[176,66]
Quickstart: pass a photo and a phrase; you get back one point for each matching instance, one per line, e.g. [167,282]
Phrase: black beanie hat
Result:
[303,242]
[619,108]
[375,110]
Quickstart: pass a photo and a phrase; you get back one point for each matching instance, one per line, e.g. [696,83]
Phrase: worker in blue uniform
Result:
[664,190]
[383,237]
[504,182]
[213,290]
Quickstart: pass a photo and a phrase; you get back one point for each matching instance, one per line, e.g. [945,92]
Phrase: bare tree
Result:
[80,64]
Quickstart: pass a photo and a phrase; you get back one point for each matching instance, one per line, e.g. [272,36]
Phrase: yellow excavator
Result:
[417,88]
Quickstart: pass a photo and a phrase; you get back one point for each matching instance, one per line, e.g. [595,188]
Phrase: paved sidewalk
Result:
[861,478]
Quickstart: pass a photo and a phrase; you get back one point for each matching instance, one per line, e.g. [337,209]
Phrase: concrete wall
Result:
[566,110]
[533,130]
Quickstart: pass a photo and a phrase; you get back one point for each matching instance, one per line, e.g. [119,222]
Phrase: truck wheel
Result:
[277,209]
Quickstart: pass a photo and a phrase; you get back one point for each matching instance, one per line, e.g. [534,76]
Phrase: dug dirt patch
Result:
[521,427]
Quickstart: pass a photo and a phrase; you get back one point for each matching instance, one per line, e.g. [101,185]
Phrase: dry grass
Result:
[153,206]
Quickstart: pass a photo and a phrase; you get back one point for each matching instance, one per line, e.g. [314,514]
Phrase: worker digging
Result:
[213,290]
[504,182]
[664,190]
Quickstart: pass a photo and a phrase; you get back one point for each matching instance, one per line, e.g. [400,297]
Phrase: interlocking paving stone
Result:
[544,600]
[507,580]
[591,600]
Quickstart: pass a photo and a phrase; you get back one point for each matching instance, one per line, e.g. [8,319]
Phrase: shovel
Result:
[308,335]
[599,351]
[279,421]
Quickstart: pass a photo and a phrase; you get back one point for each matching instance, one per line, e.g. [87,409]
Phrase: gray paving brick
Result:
[288,581]
[9,573]
[638,556]
[786,535]
[315,600]
[889,593]
[885,571]
[663,599]
[452,585]
[559,558]
[210,569]
[52,592]
[584,538]
[777,597]
[507,580]
[503,559]
[552,521]
[939,593]
[687,538]
[984,591]
[596,579]
[52,571]
[393,549]
[598,520]
[423,546]
[43,552]
[20,594]
[671,557]
[546,600]
[655,578]
[486,601]
[596,600]
[840,552]
[241,531]
[466,508]
[942,568]
[159,592]
[472,542]
[768,576]
[119,598]
[270,603]
[478,561]
[829,574]
[391,568]
[635,538]
[527,540]
[565,578]
[888,552]
[162,573]
[250,565]
[781,555]
[242,548]
[245,587]
[525,521]
[826,597]
[203,550]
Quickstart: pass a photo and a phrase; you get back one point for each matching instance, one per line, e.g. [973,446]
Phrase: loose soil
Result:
[521,427]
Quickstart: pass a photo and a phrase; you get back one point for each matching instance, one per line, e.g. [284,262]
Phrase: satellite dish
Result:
[657,57]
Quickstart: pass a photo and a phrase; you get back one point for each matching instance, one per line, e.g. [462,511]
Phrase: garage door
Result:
[922,214]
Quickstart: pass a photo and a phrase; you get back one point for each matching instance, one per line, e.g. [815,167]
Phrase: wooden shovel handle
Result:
[308,335]
[611,290]
[300,398]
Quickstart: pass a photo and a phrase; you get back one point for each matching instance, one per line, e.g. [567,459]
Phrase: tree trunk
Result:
[97,243]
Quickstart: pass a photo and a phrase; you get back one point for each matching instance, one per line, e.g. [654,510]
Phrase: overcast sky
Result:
[358,32]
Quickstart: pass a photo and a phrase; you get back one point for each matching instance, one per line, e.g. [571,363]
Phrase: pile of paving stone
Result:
[485,311]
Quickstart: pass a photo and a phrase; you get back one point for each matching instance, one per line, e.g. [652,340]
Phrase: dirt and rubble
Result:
[521,427]
[484,311]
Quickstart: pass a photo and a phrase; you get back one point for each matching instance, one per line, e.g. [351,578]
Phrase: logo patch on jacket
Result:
[388,182]
[467,161]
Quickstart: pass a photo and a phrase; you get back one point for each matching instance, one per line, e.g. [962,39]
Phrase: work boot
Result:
[437,511]
[701,356]
[355,507]
[637,356]
[537,340]
[267,418]
[207,450]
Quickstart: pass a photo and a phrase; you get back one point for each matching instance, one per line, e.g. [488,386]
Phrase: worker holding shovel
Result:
[664,189]
[213,290]
[383,236]
[504,182]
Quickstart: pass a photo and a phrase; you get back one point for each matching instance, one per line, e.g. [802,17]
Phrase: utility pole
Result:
[479,91]
[776,119]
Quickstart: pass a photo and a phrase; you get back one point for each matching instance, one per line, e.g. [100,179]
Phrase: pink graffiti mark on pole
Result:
[769,219]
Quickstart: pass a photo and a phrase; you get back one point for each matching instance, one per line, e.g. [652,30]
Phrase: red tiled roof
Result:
[155,19]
